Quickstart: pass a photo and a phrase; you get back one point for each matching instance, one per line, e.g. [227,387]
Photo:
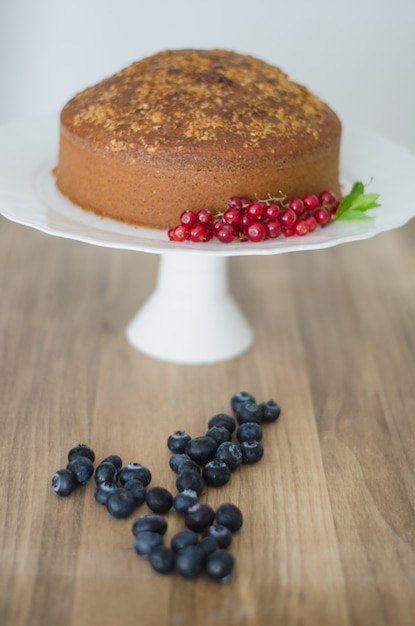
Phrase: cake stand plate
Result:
[191,316]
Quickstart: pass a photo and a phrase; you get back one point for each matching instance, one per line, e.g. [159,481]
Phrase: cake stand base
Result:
[191,316]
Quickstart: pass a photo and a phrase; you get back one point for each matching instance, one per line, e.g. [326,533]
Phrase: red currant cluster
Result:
[247,220]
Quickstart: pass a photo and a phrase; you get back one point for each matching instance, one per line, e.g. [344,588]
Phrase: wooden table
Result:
[329,522]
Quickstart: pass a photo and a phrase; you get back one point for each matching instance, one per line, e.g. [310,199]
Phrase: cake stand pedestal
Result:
[191,316]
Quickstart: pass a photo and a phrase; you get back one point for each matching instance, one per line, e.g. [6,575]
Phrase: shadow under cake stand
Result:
[192,287]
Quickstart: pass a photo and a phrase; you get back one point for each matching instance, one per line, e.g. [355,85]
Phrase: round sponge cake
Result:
[187,129]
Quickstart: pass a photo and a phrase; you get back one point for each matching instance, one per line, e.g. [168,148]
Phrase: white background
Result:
[357,55]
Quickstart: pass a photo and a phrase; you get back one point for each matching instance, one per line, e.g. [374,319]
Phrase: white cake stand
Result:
[191,316]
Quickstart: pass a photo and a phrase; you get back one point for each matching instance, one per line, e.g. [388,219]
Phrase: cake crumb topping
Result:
[177,99]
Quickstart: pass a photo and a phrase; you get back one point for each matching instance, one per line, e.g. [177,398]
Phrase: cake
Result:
[187,129]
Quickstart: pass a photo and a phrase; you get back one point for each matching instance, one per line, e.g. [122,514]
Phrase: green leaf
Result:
[356,203]
[346,203]
[354,215]
[367,201]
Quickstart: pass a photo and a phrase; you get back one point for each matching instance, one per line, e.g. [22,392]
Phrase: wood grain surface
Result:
[329,524]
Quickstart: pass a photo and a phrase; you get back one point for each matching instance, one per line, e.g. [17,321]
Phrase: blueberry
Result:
[135,470]
[121,503]
[189,561]
[103,491]
[219,434]
[106,472]
[63,482]
[199,516]
[146,541]
[137,489]
[222,419]
[230,454]
[178,462]
[229,515]
[208,545]
[177,441]
[220,533]
[201,449]
[82,468]
[184,499]
[189,464]
[189,479]
[240,398]
[252,451]
[249,412]
[219,565]
[182,539]
[270,411]
[249,431]
[162,559]
[159,499]
[216,473]
[81,450]
[155,523]
[115,460]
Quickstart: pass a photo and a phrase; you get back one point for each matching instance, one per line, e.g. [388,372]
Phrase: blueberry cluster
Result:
[120,488]
[211,458]
[78,471]
[206,460]
[200,547]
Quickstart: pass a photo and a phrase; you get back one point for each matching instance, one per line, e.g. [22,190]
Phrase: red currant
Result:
[272,211]
[246,221]
[179,233]
[322,216]
[296,205]
[301,228]
[256,231]
[237,203]
[232,216]
[326,197]
[288,232]
[273,229]
[204,217]
[245,202]
[199,233]
[234,203]
[310,202]
[287,218]
[311,222]
[334,207]
[188,218]
[256,210]
[216,224]
[226,233]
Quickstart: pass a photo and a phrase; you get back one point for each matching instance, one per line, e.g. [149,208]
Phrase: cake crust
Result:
[187,129]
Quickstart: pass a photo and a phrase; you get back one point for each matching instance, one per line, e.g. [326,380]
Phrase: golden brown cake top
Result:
[199,104]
